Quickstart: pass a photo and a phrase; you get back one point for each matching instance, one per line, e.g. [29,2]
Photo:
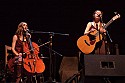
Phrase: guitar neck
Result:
[108,23]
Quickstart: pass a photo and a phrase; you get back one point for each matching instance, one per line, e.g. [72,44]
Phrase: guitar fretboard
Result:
[108,23]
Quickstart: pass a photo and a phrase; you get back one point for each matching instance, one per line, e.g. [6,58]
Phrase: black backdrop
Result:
[59,16]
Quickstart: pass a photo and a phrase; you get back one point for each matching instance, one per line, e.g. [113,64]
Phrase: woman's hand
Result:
[102,30]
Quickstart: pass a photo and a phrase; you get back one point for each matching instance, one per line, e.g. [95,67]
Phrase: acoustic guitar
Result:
[86,43]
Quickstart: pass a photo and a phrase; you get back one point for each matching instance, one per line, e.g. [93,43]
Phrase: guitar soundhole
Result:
[91,37]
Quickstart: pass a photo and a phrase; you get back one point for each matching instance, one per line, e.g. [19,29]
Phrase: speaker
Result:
[104,65]
[68,67]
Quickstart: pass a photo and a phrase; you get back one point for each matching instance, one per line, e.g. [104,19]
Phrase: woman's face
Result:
[25,26]
[98,14]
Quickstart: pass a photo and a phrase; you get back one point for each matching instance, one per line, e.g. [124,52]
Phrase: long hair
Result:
[20,30]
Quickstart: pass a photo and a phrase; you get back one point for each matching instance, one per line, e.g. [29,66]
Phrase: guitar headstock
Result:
[116,17]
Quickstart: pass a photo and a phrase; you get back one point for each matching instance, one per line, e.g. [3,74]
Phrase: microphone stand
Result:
[51,63]
[109,36]
[107,51]
[107,48]
[106,31]
[50,52]
[24,34]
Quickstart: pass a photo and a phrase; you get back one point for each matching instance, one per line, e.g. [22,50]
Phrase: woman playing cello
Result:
[20,46]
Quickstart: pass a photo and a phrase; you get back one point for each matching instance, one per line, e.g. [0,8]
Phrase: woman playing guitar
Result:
[89,35]
[94,38]
[93,27]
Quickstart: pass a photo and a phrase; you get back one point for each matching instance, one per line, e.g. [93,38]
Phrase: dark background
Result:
[59,16]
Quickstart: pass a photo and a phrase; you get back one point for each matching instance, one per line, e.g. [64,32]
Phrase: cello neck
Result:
[31,46]
[29,40]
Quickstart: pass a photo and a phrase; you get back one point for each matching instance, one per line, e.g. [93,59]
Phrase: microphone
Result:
[27,30]
[30,31]
[99,15]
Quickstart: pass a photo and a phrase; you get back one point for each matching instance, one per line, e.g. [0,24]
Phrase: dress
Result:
[100,46]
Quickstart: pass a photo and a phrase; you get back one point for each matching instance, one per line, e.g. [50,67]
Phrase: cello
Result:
[32,63]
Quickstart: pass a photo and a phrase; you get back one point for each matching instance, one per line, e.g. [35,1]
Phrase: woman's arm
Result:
[14,44]
[87,28]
